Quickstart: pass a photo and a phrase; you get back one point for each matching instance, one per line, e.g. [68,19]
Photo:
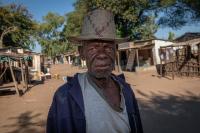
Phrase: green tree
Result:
[74,20]
[177,13]
[17,28]
[132,17]
[171,36]
[50,38]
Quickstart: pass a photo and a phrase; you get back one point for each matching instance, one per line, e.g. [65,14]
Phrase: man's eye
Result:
[109,49]
[92,48]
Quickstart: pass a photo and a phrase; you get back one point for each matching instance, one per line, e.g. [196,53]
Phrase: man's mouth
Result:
[102,67]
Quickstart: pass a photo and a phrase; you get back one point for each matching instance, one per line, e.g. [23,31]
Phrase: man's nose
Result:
[101,53]
[102,56]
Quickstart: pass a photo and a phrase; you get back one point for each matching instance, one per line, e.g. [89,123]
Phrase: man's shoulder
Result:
[64,89]
[121,78]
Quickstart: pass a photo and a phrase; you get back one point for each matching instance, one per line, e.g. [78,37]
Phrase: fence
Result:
[180,61]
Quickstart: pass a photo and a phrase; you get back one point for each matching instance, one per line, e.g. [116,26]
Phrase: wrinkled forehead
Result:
[99,43]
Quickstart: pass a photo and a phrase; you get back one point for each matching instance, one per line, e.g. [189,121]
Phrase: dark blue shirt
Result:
[66,114]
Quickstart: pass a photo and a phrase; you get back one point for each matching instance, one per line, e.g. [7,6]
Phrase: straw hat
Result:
[98,25]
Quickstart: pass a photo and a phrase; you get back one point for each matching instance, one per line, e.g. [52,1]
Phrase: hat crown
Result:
[98,24]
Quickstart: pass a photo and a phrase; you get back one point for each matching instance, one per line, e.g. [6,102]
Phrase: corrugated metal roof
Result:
[190,42]
[135,45]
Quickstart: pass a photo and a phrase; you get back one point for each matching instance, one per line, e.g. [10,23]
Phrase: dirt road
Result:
[167,106]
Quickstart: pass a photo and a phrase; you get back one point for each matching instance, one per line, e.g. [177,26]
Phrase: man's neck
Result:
[110,90]
[103,83]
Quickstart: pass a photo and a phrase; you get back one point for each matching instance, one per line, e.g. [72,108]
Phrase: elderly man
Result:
[96,101]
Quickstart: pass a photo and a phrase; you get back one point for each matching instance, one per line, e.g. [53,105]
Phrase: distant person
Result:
[96,101]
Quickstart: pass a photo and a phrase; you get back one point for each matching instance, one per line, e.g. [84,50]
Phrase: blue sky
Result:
[39,8]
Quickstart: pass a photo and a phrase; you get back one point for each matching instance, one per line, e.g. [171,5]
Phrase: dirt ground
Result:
[166,106]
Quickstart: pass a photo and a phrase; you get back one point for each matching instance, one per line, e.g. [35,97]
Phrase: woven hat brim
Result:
[78,40]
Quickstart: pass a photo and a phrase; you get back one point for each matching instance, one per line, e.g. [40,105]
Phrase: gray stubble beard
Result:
[102,75]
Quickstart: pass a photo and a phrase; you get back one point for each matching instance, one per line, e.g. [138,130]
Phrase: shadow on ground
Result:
[26,122]
[32,85]
[7,92]
[166,113]
[10,90]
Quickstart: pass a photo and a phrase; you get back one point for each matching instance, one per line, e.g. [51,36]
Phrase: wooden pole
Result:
[160,62]
[13,77]
[22,73]
[138,63]
[26,75]
[177,62]
[198,53]
[172,70]
[198,60]
[118,63]
[1,71]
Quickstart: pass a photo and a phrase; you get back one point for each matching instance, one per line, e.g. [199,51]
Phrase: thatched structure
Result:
[181,59]
[14,67]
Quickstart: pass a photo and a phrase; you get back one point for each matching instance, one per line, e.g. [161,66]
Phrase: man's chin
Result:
[101,74]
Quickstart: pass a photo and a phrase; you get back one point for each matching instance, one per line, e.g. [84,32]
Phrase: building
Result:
[34,60]
[181,59]
[188,36]
[140,55]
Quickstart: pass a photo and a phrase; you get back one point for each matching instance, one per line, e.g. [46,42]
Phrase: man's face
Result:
[100,57]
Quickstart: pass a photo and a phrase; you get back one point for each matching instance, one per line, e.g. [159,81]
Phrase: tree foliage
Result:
[133,17]
[177,13]
[50,36]
[171,36]
[17,28]
[74,20]
[136,18]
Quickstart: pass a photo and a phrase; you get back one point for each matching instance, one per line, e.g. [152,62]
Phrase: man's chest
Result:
[100,116]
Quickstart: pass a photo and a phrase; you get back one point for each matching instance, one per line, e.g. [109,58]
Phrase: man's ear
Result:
[81,52]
